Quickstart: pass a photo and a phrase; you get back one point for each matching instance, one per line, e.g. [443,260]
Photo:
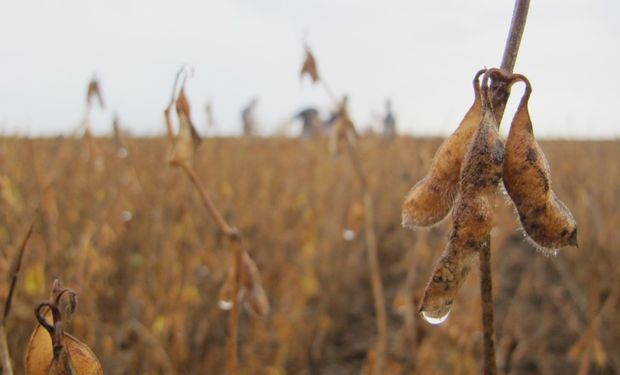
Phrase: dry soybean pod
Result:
[472,215]
[545,219]
[430,200]
[51,350]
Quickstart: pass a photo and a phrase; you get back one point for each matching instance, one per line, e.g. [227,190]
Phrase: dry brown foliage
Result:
[149,254]
[52,351]
[309,67]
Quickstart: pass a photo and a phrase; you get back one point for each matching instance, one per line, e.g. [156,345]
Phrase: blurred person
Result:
[248,118]
[389,121]
[312,125]
[210,118]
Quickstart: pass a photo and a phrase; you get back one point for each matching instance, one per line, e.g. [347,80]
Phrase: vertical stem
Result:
[373,261]
[6,367]
[206,199]
[236,248]
[519,16]
[329,91]
[499,97]
[499,89]
[233,317]
[16,269]
[375,281]
[486,294]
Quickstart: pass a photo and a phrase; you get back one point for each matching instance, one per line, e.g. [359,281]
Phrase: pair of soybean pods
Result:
[465,173]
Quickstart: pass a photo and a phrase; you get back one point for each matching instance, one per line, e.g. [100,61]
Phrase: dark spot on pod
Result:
[449,302]
[564,232]
[543,176]
[438,279]
[455,229]
[435,188]
[529,127]
[538,211]
[464,271]
[572,240]
[498,155]
[531,156]
[471,243]
[531,227]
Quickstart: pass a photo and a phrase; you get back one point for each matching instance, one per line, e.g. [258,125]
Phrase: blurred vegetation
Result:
[128,233]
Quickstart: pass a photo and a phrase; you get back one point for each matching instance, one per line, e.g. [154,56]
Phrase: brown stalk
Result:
[5,358]
[371,242]
[184,72]
[236,247]
[372,258]
[499,96]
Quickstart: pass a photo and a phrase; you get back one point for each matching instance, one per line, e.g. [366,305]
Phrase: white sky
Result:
[422,54]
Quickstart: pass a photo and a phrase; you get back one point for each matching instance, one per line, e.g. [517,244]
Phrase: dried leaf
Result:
[309,67]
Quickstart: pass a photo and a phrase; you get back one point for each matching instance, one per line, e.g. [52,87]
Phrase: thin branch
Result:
[233,317]
[372,253]
[206,199]
[517,26]
[6,368]
[16,269]
[499,96]
[236,247]
[371,246]
[499,89]
[329,91]
[486,294]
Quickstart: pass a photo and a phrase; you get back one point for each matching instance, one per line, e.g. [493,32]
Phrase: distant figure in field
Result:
[312,125]
[248,118]
[389,121]
[210,118]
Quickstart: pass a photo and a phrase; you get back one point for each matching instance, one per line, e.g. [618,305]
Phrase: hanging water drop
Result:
[225,305]
[126,216]
[348,234]
[122,153]
[433,318]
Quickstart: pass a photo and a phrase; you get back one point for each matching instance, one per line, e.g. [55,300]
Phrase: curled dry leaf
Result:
[543,216]
[309,67]
[256,298]
[94,93]
[251,290]
[355,218]
[343,129]
[430,200]
[256,301]
[472,217]
[187,140]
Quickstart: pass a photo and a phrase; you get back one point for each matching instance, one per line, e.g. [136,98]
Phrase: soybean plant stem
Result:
[499,89]
[206,199]
[373,260]
[499,97]
[6,367]
[371,247]
[486,295]
[236,247]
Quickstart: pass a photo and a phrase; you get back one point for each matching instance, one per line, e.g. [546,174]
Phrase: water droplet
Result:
[225,305]
[434,318]
[126,216]
[122,153]
[348,234]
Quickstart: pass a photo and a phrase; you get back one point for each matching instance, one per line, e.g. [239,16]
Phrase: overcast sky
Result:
[421,54]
